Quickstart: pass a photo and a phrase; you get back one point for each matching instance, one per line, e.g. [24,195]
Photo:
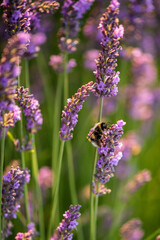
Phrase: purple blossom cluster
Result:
[31,234]
[24,15]
[25,145]
[69,223]
[9,72]
[132,230]
[72,12]
[137,182]
[141,94]
[109,156]
[33,48]
[56,61]
[30,108]
[12,192]
[106,77]
[16,16]
[38,8]
[141,7]
[136,20]
[70,112]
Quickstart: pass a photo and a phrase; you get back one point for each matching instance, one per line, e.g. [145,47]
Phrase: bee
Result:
[95,135]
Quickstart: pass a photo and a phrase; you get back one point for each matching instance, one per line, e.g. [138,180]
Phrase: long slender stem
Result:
[69,149]
[96,210]
[23,166]
[94,202]
[153,235]
[65,78]
[71,173]
[1,174]
[92,215]
[43,68]
[27,83]
[56,124]
[118,210]
[100,110]
[35,169]
[57,182]
[38,190]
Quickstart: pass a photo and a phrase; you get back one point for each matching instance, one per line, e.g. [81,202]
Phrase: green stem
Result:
[38,190]
[23,166]
[45,75]
[65,78]
[92,215]
[35,168]
[100,110]
[27,74]
[71,173]
[96,210]
[69,149]
[119,207]
[1,174]
[56,124]
[94,202]
[57,182]
[153,235]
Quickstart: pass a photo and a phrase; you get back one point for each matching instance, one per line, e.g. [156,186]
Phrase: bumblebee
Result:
[95,135]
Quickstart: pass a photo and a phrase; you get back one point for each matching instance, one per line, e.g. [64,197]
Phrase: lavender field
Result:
[80,119]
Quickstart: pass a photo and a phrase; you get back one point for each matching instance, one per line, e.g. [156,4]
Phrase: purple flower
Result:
[24,16]
[31,234]
[109,155]
[70,113]
[30,108]
[141,93]
[12,192]
[72,12]
[16,16]
[56,61]
[141,7]
[69,223]
[38,8]
[9,71]
[33,47]
[106,77]
[25,145]
[132,230]
[137,182]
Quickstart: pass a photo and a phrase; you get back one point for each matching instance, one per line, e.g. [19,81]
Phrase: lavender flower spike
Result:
[72,12]
[106,77]
[30,108]
[9,71]
[109,155]
[12,191]
[132,230]
[137,182]
[16,16]
[69,223]
[31,234]
[70,113]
